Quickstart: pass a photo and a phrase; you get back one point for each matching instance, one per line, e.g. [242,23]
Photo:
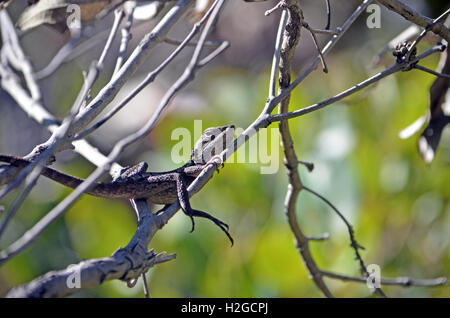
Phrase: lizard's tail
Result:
[50,173]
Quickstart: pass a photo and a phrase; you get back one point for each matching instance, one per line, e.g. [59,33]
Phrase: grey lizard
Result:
[156,187]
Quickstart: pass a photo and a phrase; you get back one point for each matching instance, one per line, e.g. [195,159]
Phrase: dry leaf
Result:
[429,140]
[57,12]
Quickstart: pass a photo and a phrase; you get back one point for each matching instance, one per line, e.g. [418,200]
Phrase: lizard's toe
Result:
[193,223]
[223,226]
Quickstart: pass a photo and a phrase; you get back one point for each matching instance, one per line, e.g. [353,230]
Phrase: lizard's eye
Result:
[213,137]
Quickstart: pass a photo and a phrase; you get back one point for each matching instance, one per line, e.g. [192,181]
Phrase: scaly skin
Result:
[156,187]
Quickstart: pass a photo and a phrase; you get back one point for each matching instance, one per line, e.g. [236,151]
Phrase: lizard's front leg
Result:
[183,198]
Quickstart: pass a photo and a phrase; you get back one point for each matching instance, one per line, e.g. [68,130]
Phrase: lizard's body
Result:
[157,187]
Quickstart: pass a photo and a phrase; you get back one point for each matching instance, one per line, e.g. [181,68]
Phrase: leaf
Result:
[144,10]
[4,4]
[56,12]
[413,128]
[429,140]
[197,13]
[44,11]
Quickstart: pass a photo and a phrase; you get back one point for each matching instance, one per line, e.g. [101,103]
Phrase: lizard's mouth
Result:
[222,128]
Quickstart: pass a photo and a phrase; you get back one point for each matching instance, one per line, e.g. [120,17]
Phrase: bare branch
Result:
[400,281]
[138,56]
[389,71]
[148,79]
[412,15]
[51,216]
[133,261]
[272,103]
[276,55]
[427,70]
[126,37]
[291,38]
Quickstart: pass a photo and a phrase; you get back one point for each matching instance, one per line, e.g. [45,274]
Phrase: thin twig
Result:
[139,55]
[327,27]
[321,238]
[118,16]
[276,55]
[272,103]
[290,40]
[354,244]
[316,44]
[424,33]
[425,69]
[208,44]
[10,37]
[147,80]
[126,37]
[397,67]
[400,281]
[416,17]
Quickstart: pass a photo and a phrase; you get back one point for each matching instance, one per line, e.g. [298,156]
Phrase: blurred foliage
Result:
[437,6]
[399,206]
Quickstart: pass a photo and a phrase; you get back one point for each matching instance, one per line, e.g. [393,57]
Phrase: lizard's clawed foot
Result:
[217,161]
[223,226]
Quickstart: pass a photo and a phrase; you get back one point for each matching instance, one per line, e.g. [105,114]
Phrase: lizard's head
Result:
[213,141]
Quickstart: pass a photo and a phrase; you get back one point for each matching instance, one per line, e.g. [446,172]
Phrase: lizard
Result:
[156,187]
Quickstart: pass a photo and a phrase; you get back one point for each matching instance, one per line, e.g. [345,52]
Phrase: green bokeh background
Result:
[398,205]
